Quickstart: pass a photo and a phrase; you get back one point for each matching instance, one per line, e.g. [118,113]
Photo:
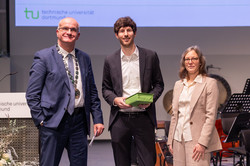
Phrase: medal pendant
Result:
[77,93]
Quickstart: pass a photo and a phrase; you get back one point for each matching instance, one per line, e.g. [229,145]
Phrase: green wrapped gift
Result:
[139,98]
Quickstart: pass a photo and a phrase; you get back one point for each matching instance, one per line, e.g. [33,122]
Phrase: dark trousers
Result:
[139,127]
[71,134]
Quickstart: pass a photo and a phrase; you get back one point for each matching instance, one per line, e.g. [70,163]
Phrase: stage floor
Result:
[100,154]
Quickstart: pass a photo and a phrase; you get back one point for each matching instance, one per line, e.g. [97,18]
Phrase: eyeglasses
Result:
[66,29]
[192,59]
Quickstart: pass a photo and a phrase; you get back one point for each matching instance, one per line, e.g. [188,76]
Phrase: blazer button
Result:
[191,123]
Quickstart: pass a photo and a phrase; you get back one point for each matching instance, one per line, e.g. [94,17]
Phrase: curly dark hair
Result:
[124,22]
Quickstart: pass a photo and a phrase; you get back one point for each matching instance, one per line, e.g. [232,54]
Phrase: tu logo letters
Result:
[29,13]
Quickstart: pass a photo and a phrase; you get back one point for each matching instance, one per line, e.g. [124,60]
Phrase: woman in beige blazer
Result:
[192,134]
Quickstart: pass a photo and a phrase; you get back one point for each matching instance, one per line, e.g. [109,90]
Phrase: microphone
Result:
[10,74]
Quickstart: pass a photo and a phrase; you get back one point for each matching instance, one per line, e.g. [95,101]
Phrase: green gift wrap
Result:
[139,98]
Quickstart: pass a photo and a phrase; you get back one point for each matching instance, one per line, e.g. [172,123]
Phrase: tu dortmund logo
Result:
[29,13]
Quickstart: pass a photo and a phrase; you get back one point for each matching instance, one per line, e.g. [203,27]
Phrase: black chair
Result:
[227,120]
[168,155]
[239,132]
[168,158]
[243,150]
[238,151]
[246,141]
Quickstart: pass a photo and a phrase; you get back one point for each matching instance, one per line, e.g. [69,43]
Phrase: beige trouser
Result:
[183,152]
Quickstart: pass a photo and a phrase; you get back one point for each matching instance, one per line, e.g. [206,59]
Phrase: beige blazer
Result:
[204,104]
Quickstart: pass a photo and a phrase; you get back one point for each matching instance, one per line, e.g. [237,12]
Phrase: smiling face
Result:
[192,63]
[126,36]
[67,32]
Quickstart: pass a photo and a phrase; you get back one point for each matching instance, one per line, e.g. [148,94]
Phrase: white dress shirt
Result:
[131,82]
[183,125]
[130,73]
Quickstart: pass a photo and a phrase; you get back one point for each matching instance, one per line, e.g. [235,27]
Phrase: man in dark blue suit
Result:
[61,95]
[130,70]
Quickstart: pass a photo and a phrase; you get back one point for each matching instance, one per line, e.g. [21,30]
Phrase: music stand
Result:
[246,89]
[236,115]
[238,103]
[241,122]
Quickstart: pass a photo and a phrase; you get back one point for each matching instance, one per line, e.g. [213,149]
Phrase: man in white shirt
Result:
[130,70]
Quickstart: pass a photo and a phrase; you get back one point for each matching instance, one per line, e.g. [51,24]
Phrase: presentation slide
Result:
[146,13]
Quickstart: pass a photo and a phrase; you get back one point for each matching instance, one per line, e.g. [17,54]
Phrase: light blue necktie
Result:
[71,106]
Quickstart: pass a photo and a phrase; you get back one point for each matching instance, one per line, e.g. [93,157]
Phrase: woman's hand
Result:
[198,152]
[170,149]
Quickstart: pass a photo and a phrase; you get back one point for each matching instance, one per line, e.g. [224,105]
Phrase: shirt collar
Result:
[198,79]
[134,54]
[64,53]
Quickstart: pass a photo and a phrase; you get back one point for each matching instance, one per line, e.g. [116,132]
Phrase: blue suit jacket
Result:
[48,92]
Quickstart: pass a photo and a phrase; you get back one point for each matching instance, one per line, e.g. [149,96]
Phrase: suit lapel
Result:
[117,70]
[142,60]
[82,67]
[177,94]
[61,66]
[196,93]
